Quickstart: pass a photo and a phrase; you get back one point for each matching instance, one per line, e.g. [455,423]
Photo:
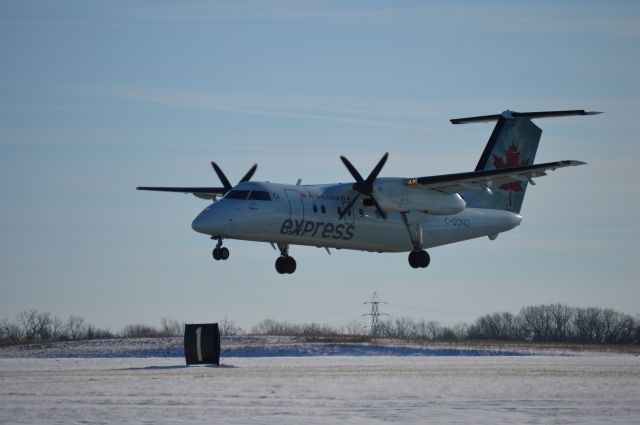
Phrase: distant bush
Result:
[32,325]
[273,327]
[541,323]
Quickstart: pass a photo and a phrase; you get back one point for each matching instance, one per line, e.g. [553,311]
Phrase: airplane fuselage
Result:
[310,215]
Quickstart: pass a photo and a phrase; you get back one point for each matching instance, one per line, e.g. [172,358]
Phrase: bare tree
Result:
[27,320]
[4,326]
[535,323]
[353,328]
[586,323]
[42,326]
[403,327]
[434,329]
[229,327]
[11,331]
[170,327]
[560,317]
[57,328]
[74,328]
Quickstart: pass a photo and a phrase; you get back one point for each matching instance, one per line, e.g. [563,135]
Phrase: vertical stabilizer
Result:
[513,143]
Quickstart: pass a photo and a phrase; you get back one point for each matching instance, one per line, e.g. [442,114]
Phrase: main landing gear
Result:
[419,258]
[284,263]
[220,252]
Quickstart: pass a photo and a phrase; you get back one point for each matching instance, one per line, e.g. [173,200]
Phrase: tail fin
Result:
[513,143]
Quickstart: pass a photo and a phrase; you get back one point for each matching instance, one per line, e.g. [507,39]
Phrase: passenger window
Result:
[361,211]
[259,195]
[349,212]
[315,208]
[323,209]
[237,194]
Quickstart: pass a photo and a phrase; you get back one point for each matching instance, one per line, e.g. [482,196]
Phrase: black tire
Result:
[280,265]
[224,253]
[216,254]
[289,265]
[413,259]
[424,258]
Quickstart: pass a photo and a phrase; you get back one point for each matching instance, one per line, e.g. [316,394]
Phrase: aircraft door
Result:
[296,207]
[349,216]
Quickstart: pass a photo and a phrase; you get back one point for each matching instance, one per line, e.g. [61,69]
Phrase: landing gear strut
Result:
[285,263]
[220,252]
[419,258]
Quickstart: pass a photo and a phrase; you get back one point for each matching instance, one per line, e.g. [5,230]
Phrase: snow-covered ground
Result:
[241,346]
[105,382]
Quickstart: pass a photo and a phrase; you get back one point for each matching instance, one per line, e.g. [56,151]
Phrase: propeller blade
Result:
[221,176]
[365,186]
[380,210]
[376,171]
[356,175]
[344,211]
[249,174]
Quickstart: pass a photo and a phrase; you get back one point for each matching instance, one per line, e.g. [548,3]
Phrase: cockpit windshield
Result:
[259,195]
[256,195]
[237,194]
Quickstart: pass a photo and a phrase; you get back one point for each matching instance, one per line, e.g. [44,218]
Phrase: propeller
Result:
[225,181]
[364,186]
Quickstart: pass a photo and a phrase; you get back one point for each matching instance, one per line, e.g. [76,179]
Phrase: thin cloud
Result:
[496,17]
[305,109]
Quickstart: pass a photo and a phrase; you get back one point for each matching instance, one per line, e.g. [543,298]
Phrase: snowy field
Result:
[286,382]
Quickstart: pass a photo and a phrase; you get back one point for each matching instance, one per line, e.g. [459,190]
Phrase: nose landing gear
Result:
[419,258]
[220,252]
[284,263]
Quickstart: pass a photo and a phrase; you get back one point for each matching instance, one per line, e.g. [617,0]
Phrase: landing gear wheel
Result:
[423,258]
[220,253]
[285,265]
[289,265]
[419,259]
[280,265]
[413,259]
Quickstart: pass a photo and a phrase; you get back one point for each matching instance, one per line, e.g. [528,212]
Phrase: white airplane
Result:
[383,214]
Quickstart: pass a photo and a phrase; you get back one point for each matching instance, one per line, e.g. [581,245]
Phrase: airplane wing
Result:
[482,180]
[200,192]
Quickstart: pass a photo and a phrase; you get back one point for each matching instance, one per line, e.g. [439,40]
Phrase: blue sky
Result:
[97,98]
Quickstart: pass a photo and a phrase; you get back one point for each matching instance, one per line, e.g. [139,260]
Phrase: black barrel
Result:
[202,344]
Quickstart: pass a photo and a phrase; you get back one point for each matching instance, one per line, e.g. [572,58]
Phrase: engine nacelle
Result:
[402,198]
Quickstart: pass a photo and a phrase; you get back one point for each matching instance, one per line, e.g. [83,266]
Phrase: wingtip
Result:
[574,162]
[593,113]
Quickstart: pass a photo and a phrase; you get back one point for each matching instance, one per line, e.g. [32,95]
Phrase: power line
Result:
[431,310]
[332,313]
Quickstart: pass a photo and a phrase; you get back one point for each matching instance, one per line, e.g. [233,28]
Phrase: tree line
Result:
[559,323]
[542,323]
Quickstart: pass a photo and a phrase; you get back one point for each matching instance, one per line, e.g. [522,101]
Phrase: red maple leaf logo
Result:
[512,159]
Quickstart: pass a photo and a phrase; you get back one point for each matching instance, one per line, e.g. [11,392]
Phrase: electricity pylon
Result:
[375,314]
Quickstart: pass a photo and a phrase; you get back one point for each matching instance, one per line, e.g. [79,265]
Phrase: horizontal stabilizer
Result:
[531,115]
[461,182]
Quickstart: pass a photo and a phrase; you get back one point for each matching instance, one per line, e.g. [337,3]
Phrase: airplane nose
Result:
[199,224]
